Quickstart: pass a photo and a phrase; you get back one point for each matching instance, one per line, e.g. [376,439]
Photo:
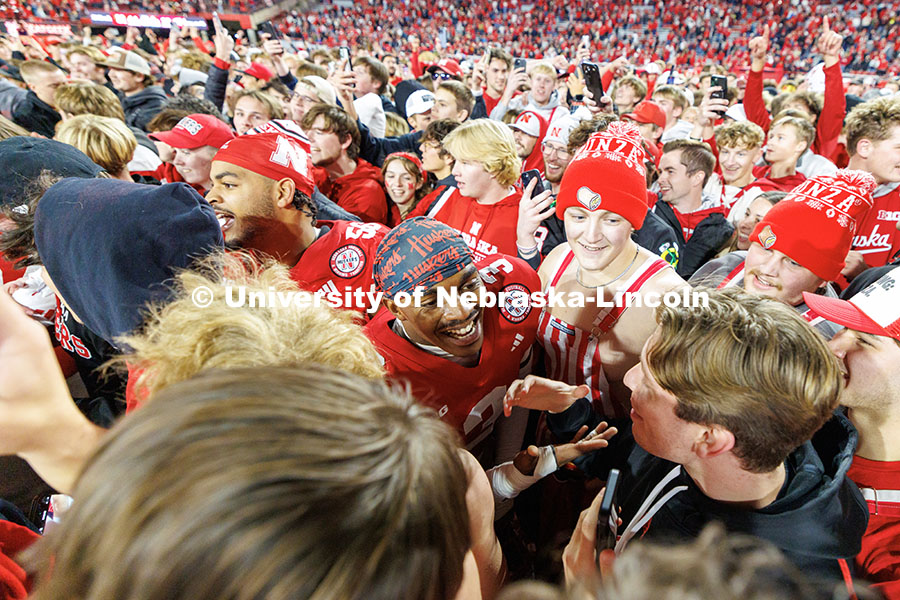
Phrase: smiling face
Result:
[869,363]
[674,182]
[883,158]
[127,82]
[457,330]
[324,146]
[556,159]
[737,164]
[542,86]
[753,215]
[193,164]
[597,238]
[774,274]
[249,113]
[82,67]
[400,184]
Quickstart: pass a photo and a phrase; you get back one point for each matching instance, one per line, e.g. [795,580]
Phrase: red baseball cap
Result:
[447,65]
[196,130]
[272,155]
[259,71]
[875,309]
[648,111]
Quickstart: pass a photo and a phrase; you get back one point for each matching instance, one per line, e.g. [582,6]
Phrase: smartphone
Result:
[719,81]
[267,27]
[606,529]
[530,174]
[344,53]
[519,63]
[592,80]
[585,40]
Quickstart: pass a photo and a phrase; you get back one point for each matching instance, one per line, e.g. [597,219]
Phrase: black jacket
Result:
[143,106]
[36,115]
[817,520]
[708,238]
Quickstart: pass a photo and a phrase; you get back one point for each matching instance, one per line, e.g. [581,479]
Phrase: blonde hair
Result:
[395,125]
[10,129]
[83,97]
[740,134]
[89,51]
[673,93]
[179,339]
[106,141]
[542,68]
[273,106]
[872,120]
[751,365]
[490,143]
[32,68]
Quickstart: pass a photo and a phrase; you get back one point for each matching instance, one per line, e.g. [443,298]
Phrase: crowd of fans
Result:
[234,360]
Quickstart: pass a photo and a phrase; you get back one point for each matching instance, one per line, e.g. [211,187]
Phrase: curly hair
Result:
[180,339]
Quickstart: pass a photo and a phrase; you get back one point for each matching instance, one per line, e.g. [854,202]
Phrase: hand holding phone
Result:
[721,82]
[344,53]
[592,80]
[607,519]
[530,175]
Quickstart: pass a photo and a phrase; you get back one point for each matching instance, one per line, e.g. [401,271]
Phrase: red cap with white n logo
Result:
[271,155]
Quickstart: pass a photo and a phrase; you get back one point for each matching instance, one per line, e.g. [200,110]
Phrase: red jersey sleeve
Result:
[828,129]
[753,101]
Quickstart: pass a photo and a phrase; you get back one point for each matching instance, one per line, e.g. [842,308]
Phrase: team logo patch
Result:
[348,261]
[766,237]
[588,198]
[516,303]
[669,253]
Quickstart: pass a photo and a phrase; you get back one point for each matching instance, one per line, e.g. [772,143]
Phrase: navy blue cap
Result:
[110,246]
[22,159]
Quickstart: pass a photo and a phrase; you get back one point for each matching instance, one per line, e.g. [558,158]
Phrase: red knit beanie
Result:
[608,173]
[815,223]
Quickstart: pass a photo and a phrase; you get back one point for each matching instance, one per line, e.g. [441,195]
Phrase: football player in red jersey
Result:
[261,192]
[457,357]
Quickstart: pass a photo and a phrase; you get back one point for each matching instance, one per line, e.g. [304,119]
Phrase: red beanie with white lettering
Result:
[815,223]
[608,173]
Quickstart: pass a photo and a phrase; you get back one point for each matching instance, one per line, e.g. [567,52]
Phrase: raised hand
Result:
[759,48]
[829,44]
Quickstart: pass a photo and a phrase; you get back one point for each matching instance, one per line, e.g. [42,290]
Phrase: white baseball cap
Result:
[419,102]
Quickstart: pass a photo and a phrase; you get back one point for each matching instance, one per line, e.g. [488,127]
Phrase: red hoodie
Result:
[487,228]
[768,184]
[359,192]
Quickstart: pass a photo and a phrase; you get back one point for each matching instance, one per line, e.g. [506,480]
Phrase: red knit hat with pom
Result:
[815,223]
[608,173]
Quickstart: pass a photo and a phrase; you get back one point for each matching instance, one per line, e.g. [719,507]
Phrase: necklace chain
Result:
[613,280]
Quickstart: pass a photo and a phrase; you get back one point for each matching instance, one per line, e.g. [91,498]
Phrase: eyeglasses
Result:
[549,150]
[298,97]
[442,75]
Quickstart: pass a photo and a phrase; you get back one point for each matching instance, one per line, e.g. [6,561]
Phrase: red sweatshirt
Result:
[830,121]
[768,184]
[359,192]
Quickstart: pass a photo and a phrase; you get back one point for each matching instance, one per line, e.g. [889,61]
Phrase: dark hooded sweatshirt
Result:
[817,520]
